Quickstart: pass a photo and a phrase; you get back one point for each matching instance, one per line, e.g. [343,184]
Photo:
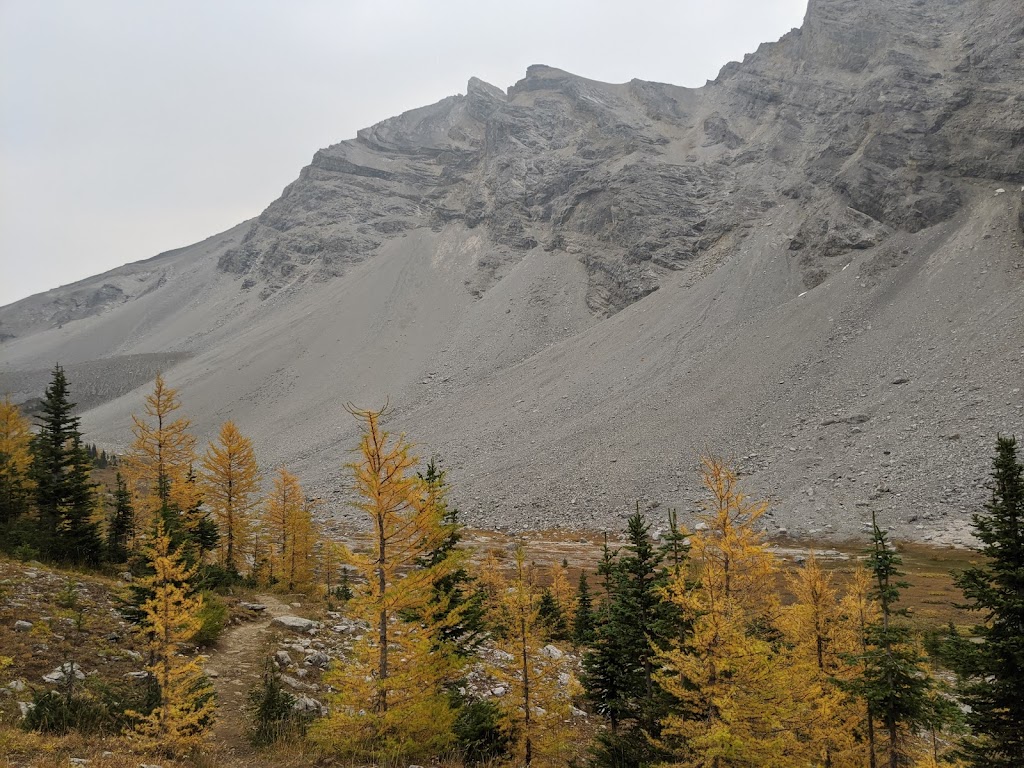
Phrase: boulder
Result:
[295,623]
[65,670]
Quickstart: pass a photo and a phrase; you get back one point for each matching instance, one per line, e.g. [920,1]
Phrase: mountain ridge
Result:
[585,284]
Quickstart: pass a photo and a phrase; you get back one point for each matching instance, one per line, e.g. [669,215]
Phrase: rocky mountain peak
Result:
[812,262]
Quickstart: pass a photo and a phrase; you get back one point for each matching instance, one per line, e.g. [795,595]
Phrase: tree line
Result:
[697,649]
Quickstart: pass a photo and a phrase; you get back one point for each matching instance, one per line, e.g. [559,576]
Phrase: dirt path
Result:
[235,668]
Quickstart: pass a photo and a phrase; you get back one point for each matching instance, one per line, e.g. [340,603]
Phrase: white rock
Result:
[499,690]
[551,652]
[22,626]
[307,704]
[296,623]
[61,673]
[283,659]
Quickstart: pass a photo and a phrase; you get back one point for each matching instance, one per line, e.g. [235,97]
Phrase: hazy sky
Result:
[128,128]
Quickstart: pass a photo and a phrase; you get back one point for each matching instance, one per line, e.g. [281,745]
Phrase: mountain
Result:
[813,264]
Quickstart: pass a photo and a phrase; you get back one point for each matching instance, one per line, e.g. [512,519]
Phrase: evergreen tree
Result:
[619,670]
[457,604]
[583,625]
[992,671]
[344,591]
[64,494]
[604,663]
[894,681]
[78,532]
[198,528]
[15,463]
[551,617]
[121,527]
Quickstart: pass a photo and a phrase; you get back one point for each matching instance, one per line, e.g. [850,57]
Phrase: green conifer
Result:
[992,671]
[64,494]
[894,682]
[121,527]
[583,623]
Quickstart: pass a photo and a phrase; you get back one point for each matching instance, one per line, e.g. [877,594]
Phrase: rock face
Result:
[571,288]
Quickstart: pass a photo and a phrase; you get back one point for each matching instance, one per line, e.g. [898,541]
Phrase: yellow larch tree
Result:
[283,509]
[392,703]
[729,673]
[186,706]
[230,485]
[818,630]
[15,460]
[540,684]
[161,458]
[858,612]
[299,563]
[330,561]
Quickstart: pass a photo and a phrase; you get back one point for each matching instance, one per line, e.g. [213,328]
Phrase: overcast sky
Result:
[129,128]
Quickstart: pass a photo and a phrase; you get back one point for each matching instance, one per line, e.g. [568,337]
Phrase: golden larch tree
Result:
[391,702]
[300,559]
[161,457]
[15,461]
[817,629]
[186,705]
[283,509]
[230,485]
[729,673]
[539,681]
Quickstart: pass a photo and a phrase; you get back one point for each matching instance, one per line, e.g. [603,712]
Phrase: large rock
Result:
[295,623]
[65,671]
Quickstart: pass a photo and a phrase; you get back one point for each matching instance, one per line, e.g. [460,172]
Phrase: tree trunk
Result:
[528,755]
[382,664]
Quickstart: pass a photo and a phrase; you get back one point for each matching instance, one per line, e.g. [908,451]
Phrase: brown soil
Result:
[235,667]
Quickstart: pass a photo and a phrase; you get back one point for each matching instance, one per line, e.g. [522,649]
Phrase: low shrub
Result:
[214,617]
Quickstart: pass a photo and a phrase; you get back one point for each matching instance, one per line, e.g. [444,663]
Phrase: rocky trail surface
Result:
[236,666]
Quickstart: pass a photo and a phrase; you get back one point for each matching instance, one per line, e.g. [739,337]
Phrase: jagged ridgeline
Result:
[813,263]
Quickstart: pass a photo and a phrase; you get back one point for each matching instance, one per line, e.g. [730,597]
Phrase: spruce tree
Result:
[78,534]
[894,681]
[121,527]
[64,494]
[583,624]
[604,661]
[457,603]
[551,616]
[992,671]
[619,670]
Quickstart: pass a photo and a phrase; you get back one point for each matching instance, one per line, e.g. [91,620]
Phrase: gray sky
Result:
[129,128]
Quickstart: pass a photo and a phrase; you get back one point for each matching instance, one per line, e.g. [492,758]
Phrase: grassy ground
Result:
[74,616]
